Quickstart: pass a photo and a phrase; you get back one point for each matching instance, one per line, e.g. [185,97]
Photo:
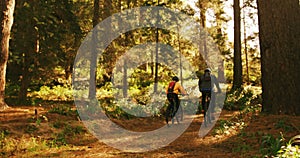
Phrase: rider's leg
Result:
[203,99]
[213,101]
[212,104]
[168,111]
[170,107]
[177,104]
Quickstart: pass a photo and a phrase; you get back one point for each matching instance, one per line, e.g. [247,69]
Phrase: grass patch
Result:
[11,146]
[290,149]
[270,145]
[282,124]
[31,129]
[242,148]
[63,110]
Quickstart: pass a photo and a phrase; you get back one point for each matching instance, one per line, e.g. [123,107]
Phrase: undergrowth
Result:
[10,145]
[240,98]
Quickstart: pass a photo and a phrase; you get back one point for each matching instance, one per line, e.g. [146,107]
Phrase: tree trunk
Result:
[245,43]
[93,59]
[7,10]
[125,83]
[156,62]
[237,59]
[279,35]
[31,47]
[156,51]
[203,10]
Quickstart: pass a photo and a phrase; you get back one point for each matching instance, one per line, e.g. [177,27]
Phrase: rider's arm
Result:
[199,84]
[217,84]
[180,88]
[166,89]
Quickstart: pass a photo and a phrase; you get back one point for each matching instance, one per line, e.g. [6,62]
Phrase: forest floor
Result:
[56,134]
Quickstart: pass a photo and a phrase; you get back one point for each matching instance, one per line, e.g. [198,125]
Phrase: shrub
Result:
[239,99]
[62,110]
[290,150]
[223,126]
[60,93]
[271,145]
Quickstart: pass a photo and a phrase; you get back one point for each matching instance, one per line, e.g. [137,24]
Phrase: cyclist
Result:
[207,83]
[173,89]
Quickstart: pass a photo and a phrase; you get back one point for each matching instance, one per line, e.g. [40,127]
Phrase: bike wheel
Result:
[180,113]
[206,114]
[169,113]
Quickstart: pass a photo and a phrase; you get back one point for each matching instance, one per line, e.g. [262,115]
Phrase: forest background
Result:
[260,64]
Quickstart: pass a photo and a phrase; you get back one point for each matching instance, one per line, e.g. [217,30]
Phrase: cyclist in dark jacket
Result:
[207,84]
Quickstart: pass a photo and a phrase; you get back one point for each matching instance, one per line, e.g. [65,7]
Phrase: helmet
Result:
[207,70]
[175,78]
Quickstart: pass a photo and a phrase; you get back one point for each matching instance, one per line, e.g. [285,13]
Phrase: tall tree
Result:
[47,38]
[245,41]
[203,6]
[31,45]
[279,35]
[156,51]
[7,10]
[237,59]
[93,60]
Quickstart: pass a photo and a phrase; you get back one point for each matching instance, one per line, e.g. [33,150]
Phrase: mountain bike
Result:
[206,111]
[174,111]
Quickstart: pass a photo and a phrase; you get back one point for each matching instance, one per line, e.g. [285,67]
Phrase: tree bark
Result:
[245,43]
[279,35]
[237,59]
[31,47]
[7,10]
[203,9]
[93,59]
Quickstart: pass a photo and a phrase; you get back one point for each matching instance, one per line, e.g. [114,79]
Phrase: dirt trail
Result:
[16,120]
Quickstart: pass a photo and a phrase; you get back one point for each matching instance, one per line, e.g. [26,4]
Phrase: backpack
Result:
[206,82]
[171,87]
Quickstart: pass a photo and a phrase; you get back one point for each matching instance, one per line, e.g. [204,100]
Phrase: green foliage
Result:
[115,111]
[58,124]
[31,128]
[141,78]
[241,148]
[12,89]
[289,150]
[239,99]
[141,96]
[72,130]
[38,121]
[222,127]
[60,93]
[59,140]
[35,144]
[229,72]
[31,145]
[271,145]
[282,124]
[63,110]
[9,146]
[3,134]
